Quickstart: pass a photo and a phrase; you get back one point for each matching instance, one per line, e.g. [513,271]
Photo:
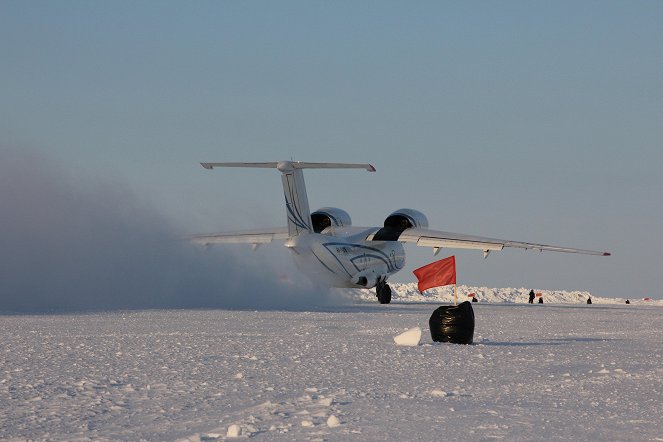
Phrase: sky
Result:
[528,121]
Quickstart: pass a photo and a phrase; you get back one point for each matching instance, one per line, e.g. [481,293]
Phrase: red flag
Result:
[436,274]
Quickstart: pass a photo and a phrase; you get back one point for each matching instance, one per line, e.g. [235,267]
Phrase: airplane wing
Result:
[261,236]
[438,240]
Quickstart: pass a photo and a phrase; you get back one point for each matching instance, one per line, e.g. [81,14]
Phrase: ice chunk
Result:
[333,422]
[411,337]
[234,431]
[438,393]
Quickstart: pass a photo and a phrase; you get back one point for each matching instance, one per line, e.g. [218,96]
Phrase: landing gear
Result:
[383,292]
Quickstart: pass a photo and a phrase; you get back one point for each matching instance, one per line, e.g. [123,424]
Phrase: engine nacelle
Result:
[329,217]
[397,222]
[405,219]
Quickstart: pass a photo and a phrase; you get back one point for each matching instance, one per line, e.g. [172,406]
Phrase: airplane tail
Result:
[294,188]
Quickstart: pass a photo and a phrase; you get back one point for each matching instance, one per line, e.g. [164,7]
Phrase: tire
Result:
[384,295]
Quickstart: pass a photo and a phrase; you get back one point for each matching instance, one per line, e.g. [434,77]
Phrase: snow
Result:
[409,338]
[410,293]
[233,431]
[536,372]
[333,422]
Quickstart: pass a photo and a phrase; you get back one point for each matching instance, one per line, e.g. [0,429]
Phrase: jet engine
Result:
[329,217]
[398,221]
[405,219]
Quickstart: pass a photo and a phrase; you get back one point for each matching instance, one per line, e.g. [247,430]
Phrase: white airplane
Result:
[327,247]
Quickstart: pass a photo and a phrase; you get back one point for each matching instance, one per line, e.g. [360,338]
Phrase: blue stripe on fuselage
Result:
[391,266]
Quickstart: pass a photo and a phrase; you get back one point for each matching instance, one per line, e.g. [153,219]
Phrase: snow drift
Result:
[409,293]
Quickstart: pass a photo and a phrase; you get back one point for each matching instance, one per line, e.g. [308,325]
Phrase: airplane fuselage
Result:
[343,258]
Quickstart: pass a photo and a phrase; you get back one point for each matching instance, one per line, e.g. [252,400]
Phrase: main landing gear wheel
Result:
[383,293]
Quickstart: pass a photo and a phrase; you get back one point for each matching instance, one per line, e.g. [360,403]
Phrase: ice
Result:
[410,337]
[333,422]
[438,393]
[234,431]
[565,372]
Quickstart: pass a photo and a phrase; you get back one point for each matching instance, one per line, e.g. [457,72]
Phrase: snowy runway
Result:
[536,372]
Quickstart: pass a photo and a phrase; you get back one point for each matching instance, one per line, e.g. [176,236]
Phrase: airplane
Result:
[328,248]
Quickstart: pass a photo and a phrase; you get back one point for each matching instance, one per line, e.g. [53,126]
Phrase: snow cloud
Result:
[69,244]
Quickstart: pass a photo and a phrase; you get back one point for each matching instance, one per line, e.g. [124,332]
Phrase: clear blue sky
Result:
[525,120]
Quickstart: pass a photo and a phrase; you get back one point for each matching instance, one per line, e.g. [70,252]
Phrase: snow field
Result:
[551,372]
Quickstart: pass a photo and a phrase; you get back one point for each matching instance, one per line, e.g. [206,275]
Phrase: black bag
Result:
[453,324]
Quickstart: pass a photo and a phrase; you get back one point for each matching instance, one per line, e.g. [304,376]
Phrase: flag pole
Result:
[455,299]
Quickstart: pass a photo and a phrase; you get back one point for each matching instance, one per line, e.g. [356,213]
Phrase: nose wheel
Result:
[383,292]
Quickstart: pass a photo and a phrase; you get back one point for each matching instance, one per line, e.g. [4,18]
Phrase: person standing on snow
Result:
[531,296]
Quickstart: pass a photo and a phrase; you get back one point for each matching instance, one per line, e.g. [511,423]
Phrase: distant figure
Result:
[589,300]
[541,300]
[628,302]
[531,296]
[474,299]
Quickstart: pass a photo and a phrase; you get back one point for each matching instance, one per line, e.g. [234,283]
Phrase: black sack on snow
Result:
[453,324]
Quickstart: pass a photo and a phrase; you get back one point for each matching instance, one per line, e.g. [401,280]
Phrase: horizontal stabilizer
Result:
[292,165]
[211,166]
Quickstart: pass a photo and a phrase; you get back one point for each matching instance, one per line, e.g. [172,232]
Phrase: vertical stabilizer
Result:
[294,188]
[296,202]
